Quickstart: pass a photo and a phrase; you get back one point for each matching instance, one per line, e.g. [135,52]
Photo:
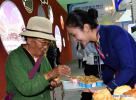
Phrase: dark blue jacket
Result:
[119,49]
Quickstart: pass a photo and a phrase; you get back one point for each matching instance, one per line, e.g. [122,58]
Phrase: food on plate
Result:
[103,94]
[123,92]
[121,89]
[129,95]
[88,79]
[131,92]
[118,92]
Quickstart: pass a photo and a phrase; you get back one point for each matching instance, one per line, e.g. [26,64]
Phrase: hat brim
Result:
[38,35]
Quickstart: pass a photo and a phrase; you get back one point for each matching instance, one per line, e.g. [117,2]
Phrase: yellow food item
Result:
[123,92]
[131,92]
[128,98]
[88,79]
[129,95]
[103,94]
[118,92]
[121,89]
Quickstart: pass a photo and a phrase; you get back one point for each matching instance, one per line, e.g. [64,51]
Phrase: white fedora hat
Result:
[39,27]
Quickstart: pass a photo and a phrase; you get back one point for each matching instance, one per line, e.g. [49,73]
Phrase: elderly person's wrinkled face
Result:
[37,46]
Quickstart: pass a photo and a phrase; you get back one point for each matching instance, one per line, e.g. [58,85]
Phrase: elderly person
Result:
[28,72]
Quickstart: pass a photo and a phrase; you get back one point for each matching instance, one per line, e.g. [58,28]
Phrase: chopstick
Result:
[69,76]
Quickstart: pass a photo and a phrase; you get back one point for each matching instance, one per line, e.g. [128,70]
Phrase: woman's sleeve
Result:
[122,45]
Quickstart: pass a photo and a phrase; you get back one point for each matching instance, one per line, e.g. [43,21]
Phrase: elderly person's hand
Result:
[62,70]
[55,83]
[58,71]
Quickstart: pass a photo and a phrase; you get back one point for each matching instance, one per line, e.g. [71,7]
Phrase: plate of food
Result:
[123,92]
[83,82]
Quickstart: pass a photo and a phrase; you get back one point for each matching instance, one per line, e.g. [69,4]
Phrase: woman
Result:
[28,72]
[115,46]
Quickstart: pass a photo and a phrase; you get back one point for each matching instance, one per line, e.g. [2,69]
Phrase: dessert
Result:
[118,92]
[129,95]
[89,81]
[103,94]
[131,92]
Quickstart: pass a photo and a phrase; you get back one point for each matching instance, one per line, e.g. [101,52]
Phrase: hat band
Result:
[38,31]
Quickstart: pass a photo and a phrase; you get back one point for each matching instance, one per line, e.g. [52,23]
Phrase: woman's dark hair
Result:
[78,18]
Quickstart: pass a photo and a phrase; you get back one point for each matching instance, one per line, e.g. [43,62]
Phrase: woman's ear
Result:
[86,28]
